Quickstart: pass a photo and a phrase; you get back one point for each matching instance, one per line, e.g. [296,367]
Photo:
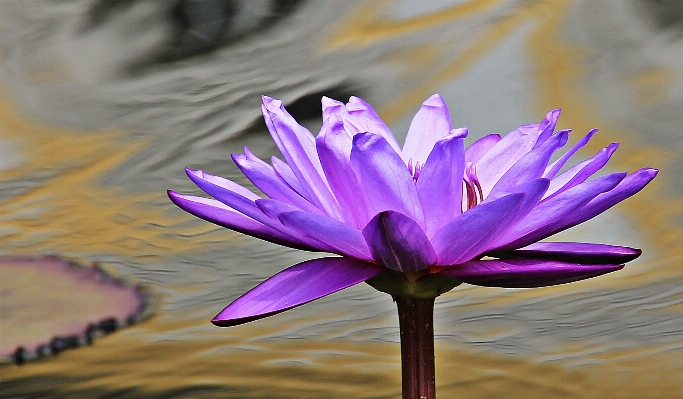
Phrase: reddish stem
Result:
[415,317]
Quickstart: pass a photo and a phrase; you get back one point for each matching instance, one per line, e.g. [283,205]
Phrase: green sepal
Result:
[403,285]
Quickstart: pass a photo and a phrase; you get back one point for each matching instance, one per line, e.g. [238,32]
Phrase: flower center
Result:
[415,169]
[473,191]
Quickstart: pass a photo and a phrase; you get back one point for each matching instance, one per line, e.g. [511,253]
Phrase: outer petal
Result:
[532,165]
[544,219]
[386,184]
[345,239]
[430,124]
[469,234]
[440,184]
[524,273]
[239,199]
[580,252]
[220,214]
[552,170]
[297,145]
[334,148]
[331,107]
[397,242]
[264,178]
[581,171]
[630,185]
[479,148]
[285,173]
[547,126]
[366,117]
[296,286]
[337,109]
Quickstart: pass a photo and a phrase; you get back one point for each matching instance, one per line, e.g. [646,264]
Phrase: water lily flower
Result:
[415,220]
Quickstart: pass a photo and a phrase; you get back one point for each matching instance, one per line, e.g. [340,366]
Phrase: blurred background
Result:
[104,102]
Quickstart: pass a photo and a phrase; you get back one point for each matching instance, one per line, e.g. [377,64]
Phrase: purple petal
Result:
[533,191]
[629,186]
[479,148]
[334,149]
[547,126]
[331,107]
[285,173]
[581,171]
[553,169]
[524,273]
[264,178]
[500,158]
[579,252]
[218,213]
[439,186]
[297,145]
[335,109]
[239,199]
[542,221]
[469,234]
[397,242]
[386,183]
[532,165]
[296,286]
[431,123]
[345,239]
[366,117]
[217,181]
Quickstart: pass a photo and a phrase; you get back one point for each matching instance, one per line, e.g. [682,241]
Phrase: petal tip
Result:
[459,133]
[435,100]
[271,104]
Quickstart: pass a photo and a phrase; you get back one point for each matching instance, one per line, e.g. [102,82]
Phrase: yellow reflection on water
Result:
[68,210]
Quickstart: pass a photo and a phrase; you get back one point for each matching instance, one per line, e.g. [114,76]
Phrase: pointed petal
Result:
[296,286]
[553,169]
[531,165]
[331,107]
[397,242]
[547,126]
[431,123]
[580,252]
[343,238]
[218,213]
[581,171]
[365,116]
[239,199]
[285,173]
[629,186]
[469,234]
[264,178]
[500,158]
[220,182]
[386,183]
[297,145]
[543,220]
[351,125]
[440,184]
[524,273]
[334,149]
[479,148]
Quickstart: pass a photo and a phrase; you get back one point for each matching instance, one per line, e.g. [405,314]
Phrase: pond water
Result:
[103,103]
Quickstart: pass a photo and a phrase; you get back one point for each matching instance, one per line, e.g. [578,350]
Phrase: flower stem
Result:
[415,317]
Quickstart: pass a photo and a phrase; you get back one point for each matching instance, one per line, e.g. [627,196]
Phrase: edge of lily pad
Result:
[94,329]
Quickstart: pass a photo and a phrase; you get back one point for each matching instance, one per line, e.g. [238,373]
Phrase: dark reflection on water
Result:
[89,148]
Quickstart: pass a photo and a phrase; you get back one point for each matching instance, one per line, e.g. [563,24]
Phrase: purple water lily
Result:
[432,209]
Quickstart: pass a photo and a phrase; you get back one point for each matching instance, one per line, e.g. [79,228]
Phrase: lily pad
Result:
[49,304]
